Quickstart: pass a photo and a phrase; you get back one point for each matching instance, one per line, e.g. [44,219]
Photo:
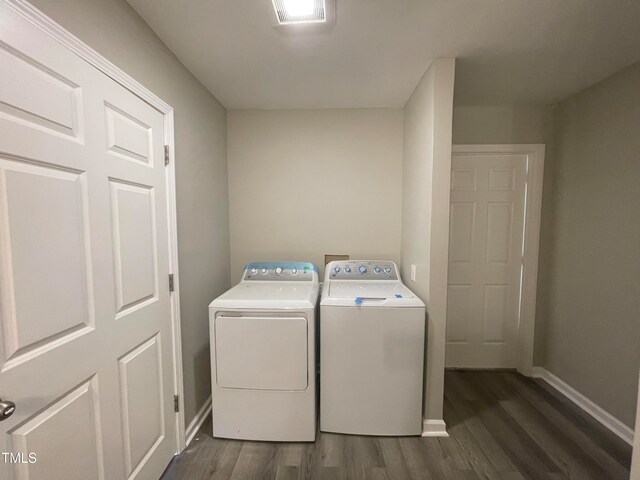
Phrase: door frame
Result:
[88,54]
[531,241]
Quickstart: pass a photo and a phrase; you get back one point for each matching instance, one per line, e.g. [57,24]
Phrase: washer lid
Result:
[369,293]
[269,295]
[368,289]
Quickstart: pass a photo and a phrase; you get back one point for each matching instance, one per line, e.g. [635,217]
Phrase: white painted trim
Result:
[434,428]
[198,420]
[176,341]
[597,412]
[85,52]
[528,289]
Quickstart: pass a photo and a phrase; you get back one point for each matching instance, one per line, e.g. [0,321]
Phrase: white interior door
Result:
[85,319]
[485,259]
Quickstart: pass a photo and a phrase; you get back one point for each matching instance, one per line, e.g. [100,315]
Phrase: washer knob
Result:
[362,269]
[294,271]
[264,271]
[336,269]
[347,269]
[387,270]
[279,270]
[254,271]
[377,269]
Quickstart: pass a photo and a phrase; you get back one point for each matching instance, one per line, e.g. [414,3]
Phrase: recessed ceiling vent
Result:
[292,12]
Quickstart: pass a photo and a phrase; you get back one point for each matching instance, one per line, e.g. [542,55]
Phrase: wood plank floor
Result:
[502,426]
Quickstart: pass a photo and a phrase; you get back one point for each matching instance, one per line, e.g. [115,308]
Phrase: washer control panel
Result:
[362,270]
[279,271]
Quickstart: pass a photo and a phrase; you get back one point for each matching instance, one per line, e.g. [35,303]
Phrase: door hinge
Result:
[166,154]
[171,282]
[176,403]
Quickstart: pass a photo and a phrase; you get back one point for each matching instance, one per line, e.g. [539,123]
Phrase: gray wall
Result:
[502,124]
[425,213]
[117,32]
[305,183]
[589,308]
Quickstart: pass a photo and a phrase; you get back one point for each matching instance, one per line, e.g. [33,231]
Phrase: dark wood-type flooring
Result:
[502,426]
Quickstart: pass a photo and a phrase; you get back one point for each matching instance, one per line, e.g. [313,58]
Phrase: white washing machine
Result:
[263,356]
[372,331]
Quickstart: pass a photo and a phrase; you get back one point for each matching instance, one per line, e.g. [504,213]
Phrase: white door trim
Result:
[533,202]
[88,54]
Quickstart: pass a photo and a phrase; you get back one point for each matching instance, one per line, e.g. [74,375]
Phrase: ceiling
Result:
[508,51]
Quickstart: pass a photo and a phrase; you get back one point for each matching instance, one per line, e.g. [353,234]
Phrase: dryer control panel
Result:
[280,271]
[362,270]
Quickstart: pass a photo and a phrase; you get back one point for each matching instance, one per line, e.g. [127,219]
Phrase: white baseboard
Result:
[434,428]
[597,412]
[197,421]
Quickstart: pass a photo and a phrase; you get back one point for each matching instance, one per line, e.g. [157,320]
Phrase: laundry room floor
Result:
[502,426]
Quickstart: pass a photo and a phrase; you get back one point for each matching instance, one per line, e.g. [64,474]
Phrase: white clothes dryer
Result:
[263,355]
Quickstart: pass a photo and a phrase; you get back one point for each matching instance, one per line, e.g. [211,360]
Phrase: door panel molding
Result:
[531,243]
[80,404]
[91,56]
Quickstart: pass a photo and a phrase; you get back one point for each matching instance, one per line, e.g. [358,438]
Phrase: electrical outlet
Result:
[413,273]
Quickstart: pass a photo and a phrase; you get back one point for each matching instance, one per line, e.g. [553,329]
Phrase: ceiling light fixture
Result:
[299,8]
[290,12]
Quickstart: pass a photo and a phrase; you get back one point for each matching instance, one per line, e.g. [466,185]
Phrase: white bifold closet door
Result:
[86,347]
[485,259]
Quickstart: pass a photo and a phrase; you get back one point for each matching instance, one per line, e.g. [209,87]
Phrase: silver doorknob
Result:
[6,409]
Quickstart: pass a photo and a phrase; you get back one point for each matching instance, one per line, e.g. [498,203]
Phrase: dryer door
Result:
[261,353]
